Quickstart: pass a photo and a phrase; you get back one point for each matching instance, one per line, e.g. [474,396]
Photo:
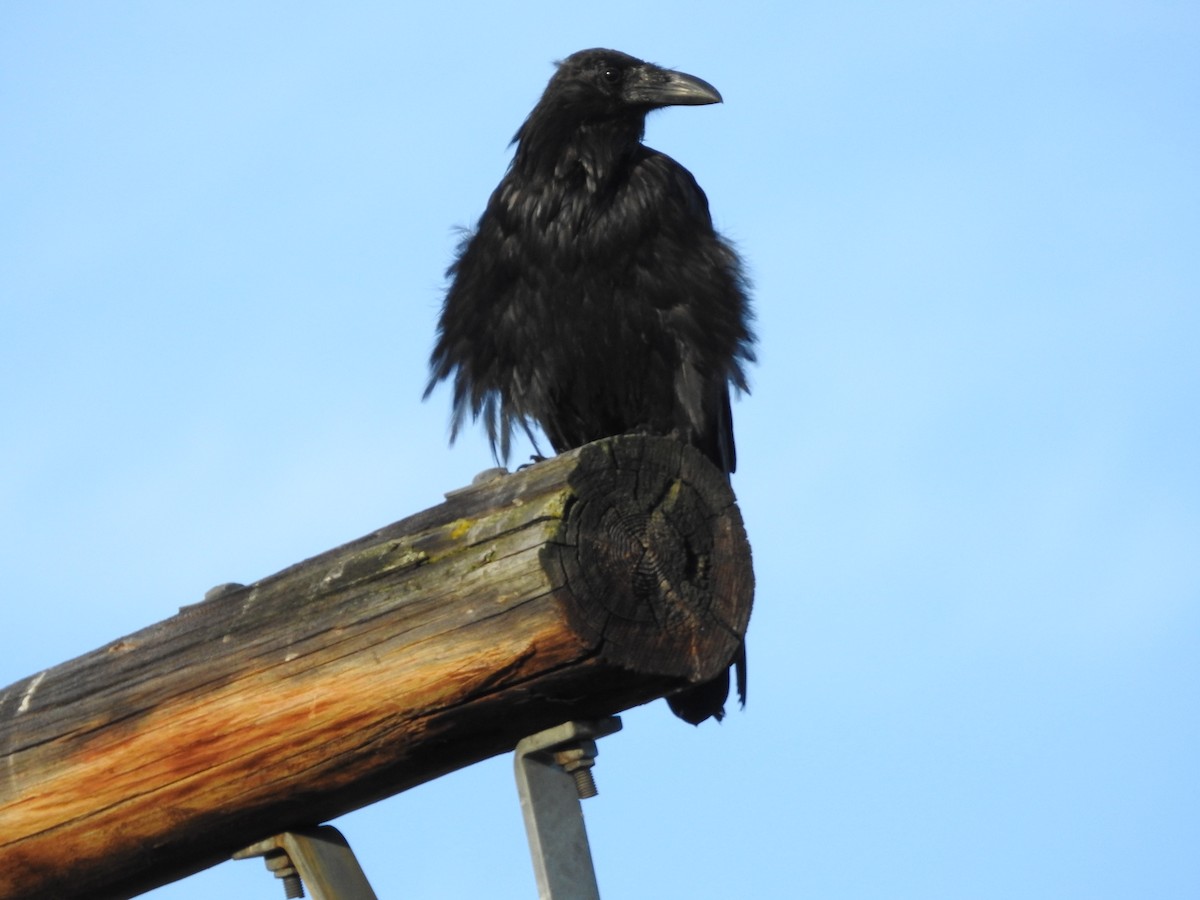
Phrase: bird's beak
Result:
[652,86]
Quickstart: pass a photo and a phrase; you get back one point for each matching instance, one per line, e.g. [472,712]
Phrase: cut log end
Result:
[655,559]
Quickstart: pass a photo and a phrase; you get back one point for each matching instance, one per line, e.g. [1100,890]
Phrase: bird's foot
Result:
[534,459]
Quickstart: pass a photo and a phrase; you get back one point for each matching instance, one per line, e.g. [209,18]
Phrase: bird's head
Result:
[602,83]
[594,111]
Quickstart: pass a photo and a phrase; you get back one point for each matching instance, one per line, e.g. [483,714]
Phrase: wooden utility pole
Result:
[576,588]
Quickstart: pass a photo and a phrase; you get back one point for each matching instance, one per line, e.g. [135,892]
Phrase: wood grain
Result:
[587,584]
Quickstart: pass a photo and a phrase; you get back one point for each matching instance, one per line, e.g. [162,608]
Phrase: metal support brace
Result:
[318,857]
[553,769]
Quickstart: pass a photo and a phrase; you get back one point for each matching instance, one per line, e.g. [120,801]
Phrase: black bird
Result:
[594,298]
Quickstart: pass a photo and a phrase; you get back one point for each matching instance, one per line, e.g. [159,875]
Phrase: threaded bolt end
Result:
[293,887]
[585,783]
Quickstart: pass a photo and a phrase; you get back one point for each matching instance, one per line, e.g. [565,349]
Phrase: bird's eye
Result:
[611,75]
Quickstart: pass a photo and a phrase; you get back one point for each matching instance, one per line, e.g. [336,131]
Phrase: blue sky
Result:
[967,467]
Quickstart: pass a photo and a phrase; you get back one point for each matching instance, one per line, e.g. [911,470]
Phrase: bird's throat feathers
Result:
[583,153]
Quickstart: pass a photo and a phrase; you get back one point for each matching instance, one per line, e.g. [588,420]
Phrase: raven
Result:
[594,297]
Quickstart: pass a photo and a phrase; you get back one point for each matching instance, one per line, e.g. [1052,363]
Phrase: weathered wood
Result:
[589,583]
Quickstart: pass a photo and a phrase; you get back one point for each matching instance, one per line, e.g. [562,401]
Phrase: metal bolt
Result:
[577,760]
[585,783]
[293,887]
[279,864]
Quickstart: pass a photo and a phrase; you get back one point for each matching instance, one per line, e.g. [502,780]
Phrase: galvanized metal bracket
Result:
[319,858]
[553,770]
